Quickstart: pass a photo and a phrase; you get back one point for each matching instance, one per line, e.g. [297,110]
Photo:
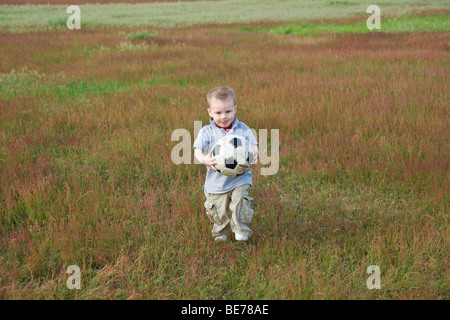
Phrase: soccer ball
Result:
[234,155]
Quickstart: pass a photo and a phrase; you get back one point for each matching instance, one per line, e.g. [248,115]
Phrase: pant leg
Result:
[241,210]
[217,210]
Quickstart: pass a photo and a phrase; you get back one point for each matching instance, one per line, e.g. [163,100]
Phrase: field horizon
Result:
[25,18]
[86,176]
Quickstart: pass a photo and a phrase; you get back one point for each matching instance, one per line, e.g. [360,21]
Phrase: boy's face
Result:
[222,112]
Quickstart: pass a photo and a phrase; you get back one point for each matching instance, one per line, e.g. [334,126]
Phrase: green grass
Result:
[142,35]
[28,17]
[27,83]
[439,23]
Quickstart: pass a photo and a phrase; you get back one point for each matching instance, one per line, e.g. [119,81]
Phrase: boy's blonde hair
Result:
[222,94]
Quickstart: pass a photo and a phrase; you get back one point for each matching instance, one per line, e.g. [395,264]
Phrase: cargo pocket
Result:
[247,212]
[211,211]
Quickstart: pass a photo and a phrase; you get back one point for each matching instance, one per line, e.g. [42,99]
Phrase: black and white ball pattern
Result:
[234,155]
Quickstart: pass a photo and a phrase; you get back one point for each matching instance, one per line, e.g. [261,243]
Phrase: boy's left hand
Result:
[255,155]
[255,160]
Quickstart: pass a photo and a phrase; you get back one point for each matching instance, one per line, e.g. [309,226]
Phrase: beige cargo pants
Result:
[218,207]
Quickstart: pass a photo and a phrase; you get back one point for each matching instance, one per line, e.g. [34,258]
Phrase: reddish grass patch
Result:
[88,179]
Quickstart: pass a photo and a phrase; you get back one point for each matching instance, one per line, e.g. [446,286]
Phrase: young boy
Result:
[224,193]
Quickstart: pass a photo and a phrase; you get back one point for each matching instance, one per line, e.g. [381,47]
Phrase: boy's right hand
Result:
[210,161]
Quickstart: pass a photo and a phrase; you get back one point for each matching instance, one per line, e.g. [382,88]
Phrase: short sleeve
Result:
[202,140]
[251,137]
[248,134]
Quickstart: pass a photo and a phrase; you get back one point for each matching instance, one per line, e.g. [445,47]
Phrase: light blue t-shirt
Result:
[216,182]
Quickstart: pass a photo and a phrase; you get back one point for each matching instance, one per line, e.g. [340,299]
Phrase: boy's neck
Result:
[228,128]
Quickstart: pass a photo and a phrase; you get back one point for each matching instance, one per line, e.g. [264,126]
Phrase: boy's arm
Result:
[255,154]
[208,160]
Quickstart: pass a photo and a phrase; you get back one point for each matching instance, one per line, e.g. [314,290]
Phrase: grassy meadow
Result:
[86,177]
[24,18]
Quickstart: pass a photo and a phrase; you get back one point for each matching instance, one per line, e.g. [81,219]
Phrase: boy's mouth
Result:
[223,123]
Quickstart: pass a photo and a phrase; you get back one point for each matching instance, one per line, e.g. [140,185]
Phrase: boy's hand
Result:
[255,155]
[209,161]
[255,159]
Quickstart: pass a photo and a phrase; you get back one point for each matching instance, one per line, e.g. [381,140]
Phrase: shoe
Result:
[241,237]
[221,238]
